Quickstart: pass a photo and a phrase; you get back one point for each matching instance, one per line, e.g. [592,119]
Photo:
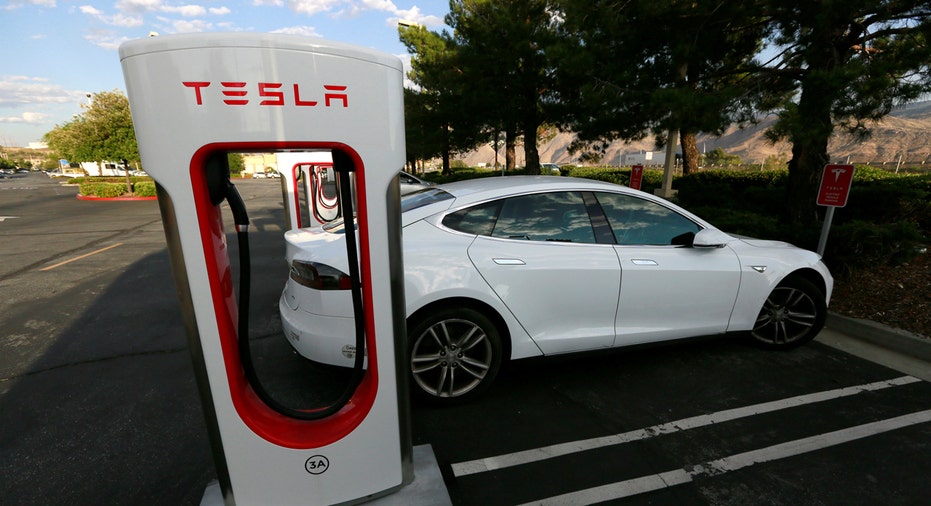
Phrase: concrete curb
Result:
[897,340]
[113,199]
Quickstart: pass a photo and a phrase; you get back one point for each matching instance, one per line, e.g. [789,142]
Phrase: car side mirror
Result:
[711,238]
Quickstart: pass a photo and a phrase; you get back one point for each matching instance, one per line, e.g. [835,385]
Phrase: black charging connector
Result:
[221,188]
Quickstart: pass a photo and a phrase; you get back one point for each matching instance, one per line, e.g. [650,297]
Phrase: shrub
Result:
[103,190]
[652,178]
[758,191]
[859,244]
[144,189]
[459,174]
[888,197]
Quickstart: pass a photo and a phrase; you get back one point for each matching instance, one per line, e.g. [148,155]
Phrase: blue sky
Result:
[54,52]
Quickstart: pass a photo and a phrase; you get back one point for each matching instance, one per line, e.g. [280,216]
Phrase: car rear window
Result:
[423,198]
[409,202]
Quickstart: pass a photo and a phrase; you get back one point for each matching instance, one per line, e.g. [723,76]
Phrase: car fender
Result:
[762,270]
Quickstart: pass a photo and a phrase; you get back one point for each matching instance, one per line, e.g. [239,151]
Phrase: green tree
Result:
[630,68]
[426,133]
[488,76]
[718,157]
[436,119]
[504,50]
[847,63]
[236,163]
[102,132]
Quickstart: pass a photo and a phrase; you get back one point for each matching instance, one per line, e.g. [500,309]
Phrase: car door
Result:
[669,289]
[541,259]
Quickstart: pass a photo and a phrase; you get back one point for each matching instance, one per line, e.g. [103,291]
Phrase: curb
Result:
[86,197]
[897,340]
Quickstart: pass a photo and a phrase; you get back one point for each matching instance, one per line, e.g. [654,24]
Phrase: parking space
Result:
[98,402]
[717,422]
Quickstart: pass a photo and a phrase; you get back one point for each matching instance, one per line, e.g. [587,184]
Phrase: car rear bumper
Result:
[325,339]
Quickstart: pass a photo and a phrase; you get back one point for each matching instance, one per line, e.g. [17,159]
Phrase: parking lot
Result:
[98,403]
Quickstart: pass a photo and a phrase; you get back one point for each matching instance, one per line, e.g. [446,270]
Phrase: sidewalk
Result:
[894,348]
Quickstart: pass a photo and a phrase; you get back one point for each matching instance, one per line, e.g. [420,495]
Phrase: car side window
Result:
[477,220]
[636,221]
[555,216]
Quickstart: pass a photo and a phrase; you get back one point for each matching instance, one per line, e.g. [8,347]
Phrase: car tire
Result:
[792,315]
[455,354]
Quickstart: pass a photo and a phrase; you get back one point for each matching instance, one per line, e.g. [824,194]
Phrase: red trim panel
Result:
[261,419]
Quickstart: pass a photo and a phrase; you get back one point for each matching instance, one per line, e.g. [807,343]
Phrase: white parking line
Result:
[650,483]
[548,452]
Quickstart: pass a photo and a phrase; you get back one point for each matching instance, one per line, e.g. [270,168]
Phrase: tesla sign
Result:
[835,185]
[636,176]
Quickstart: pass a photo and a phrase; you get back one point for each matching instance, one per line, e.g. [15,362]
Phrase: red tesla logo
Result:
[268,94]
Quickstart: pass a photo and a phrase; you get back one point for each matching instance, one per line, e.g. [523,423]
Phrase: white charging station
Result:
[308,187]
[195,98]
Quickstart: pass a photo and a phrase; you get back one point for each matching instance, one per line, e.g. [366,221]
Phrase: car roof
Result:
[475,190]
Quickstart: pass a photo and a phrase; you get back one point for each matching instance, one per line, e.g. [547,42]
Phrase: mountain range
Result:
[904,136]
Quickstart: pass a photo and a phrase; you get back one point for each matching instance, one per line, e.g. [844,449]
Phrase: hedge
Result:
[103,190]
[144,189]
[111,190]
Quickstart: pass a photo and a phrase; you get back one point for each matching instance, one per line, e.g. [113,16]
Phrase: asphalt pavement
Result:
[98,403]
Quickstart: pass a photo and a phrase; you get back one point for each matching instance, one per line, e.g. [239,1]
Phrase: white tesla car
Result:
[505,268]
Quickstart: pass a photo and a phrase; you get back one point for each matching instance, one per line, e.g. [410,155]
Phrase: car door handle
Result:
[643,261]
[508,261]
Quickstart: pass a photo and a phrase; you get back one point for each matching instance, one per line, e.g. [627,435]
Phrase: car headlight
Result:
[319,276]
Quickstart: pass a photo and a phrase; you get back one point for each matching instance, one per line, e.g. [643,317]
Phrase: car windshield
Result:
[409,202]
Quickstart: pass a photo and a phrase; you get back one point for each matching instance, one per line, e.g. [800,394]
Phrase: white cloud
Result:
[118,19]
[28,118]
[311,7]
[18,4]
[191,26]
[130,14]
[185,10]
[19,91]
[139,6]
[105,39]
[379,5]
[306,31]
[414,14]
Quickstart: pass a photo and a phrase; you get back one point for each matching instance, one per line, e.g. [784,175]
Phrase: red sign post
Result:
[835,187]
[636,176]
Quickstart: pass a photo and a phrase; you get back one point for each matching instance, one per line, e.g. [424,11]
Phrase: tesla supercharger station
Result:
[308,188]
[195,98]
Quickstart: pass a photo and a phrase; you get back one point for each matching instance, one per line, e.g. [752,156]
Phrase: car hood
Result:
[763,243]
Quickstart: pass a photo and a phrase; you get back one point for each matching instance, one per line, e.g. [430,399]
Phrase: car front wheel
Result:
[455,354]
[792,315]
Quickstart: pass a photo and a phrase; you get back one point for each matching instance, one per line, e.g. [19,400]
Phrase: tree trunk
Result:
[811,130]
[689,152]
[510,152]
[532,165]
[531,123]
